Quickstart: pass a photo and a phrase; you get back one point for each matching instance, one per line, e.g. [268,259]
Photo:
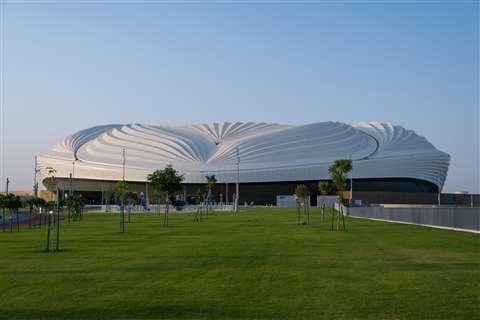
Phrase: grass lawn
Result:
[259,265]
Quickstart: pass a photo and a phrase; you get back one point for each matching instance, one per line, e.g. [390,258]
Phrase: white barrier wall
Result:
[286,201]
[329,201]
[450,217]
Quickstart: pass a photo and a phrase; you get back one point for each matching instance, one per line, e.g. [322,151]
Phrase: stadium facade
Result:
[268,159]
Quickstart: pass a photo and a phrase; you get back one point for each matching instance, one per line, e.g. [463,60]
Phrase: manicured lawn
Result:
[259,265]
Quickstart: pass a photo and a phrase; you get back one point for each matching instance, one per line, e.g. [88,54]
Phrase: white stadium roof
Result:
[268,152]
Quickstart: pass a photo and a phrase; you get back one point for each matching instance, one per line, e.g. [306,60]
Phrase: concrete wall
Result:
[452,217]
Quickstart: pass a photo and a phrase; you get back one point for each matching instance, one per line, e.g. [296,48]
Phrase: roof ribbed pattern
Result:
[267,152]
[407,151]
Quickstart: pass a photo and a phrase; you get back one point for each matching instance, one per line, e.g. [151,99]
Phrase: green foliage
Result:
[121,188]
[11,202]
[40,202]
[211,181]
[302,191]
[75,203]
[325,187]
[2,201]
[338,173]
[109,195]
[131,197]
[167,181]
[50,205]
[51,182]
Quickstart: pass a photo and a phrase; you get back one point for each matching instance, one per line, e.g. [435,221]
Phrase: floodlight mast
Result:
[123,164]
[237,191]
[351,181]
[35,183]
[72,175]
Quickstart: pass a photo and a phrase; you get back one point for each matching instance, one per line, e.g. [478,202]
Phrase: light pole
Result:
[351,181]
[35,183]
[237,191]
[57,248]
[123,164]
[72,175]
[122,207]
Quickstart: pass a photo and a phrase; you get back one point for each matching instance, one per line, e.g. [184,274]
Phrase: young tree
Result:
[132,199]
[30,203]
[13,203]
[40,204]
[2,207]
[121,188]
[75,204]
[109,195]
[167,181]
[51,182]
[325,187]
[302,192]
[338,172]
[211,182]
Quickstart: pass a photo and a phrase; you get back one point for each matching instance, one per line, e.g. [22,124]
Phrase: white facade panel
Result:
[268,152]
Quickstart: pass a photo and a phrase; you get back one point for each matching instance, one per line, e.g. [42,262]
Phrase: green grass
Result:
[259,265]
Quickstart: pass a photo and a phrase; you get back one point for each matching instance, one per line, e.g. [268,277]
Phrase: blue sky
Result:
[68,66]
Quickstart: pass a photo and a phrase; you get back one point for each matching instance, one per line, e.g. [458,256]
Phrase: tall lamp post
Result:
[237,191]
[72,175]
[351,182]
[122,207]
[35,183]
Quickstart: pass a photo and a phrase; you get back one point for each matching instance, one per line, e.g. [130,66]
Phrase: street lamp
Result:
[237,191]
[35,183]
[351,181]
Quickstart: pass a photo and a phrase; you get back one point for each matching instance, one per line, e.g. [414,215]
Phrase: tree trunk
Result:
[298,212]
[167,207]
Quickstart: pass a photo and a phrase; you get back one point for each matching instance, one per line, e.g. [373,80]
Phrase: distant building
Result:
[273,158]
[44,194]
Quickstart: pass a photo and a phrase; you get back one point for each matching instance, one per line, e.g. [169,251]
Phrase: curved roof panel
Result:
[267,152]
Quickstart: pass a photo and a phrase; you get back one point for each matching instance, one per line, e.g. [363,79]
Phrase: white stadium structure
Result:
[273,158]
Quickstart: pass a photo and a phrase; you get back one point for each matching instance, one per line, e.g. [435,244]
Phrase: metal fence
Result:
[160,208]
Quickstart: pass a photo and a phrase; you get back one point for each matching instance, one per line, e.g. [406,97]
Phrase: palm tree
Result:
[325,187]
[302,192]
[338,172]
[167,181]
[211,182]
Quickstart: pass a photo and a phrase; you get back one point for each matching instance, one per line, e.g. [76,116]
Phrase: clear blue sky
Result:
[69,66]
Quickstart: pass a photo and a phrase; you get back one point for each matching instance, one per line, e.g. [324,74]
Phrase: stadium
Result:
[267,159]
